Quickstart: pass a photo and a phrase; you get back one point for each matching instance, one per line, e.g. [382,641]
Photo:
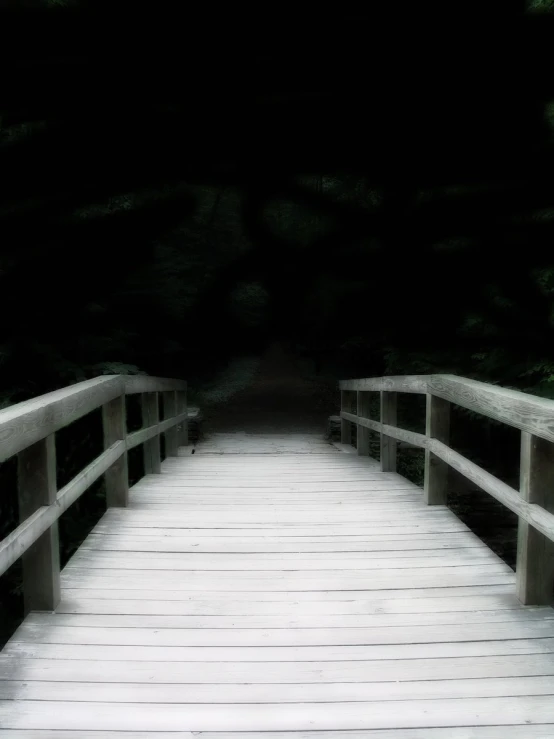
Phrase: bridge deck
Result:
[273,590]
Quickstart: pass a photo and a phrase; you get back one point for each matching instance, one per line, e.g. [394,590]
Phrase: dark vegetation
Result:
[178,195]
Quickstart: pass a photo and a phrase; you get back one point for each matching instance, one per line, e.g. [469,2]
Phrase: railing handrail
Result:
[22,424]
[517,409]
[27,429]
[532,415]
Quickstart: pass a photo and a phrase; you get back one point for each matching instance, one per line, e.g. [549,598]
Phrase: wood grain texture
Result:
[37,488]
[388,418]
[311,596]
[398,383]
[437,426]
[535,551]
[25,423]
[169,398]
[517,409]
[114,423]
[363,406]
[151,447]
[19,540]
[541,519]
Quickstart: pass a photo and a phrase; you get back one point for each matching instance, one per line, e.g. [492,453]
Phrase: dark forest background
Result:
[178,191]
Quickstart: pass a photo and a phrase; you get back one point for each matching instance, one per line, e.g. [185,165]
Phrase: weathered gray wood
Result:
[346,398]
[151,417]
[145,384]
[523,411]
[22,538]
[388,443]
[362,443]
[532,513]
[183,429]
[437,426]
[535,552]
[36,474]
[114,421]
[170,411]
[398,383]
[25,423]
[410,437]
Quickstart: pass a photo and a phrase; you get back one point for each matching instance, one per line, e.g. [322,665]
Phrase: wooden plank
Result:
[392,383]
[300,596]
[112,560]
[394,670]
[535,552]
[321,654]
[385,531]
[525,731]
[305,619]
[360,604]
[520,410]
[26,423]
[248,717]
[37,487]
[428,578]
[252,693]
[151,417]
[114,423]
[310,548]
[437,426]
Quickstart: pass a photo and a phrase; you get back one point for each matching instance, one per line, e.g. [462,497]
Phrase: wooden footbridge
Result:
[275,586]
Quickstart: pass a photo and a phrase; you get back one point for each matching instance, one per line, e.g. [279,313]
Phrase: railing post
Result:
[183,433]
[170,411]
[388,444]
[362,439]
[535,553]
[114,422]
[36,472]
[437,426]
[151,416]
[345,425]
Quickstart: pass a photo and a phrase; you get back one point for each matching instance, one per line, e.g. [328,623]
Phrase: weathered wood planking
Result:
[229,598]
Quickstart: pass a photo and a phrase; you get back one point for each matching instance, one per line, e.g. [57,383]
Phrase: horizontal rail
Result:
[396,383]
[542,520]
[25,423]
[142,435]
[533,416]
[512,407]
[27,533]
[394,432]
[28,430]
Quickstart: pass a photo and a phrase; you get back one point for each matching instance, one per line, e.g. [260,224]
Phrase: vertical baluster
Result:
[345,425]
[362,443]
[388,444]
[114,423]
[36,473]
[437,426]
[535,553]
[151,416]
[183,433]
[170,411]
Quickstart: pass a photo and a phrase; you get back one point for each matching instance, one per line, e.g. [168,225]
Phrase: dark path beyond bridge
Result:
[279,400]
